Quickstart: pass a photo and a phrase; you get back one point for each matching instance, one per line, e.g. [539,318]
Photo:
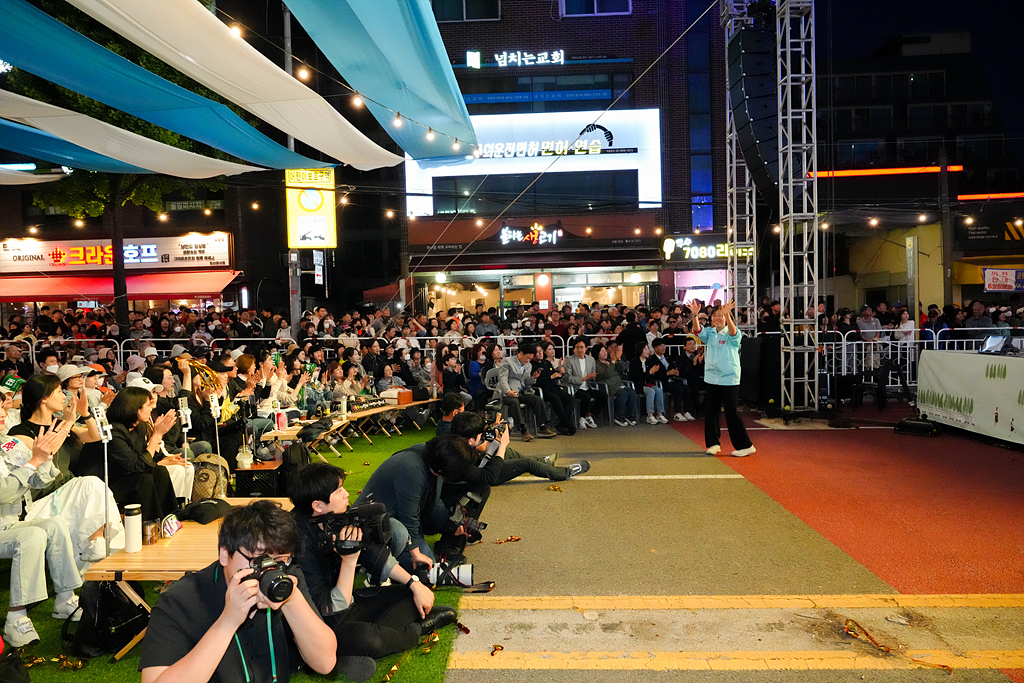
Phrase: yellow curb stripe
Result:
[736,661]
[693,602]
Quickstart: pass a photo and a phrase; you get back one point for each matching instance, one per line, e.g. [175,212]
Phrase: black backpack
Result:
[110,620]
[294,457]
[12,668]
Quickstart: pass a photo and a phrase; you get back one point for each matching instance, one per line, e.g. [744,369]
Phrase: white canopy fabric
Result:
[112,141]
[188,37]
[22,178]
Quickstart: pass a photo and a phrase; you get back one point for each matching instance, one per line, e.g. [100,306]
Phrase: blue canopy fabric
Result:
[38,144]
[391,51]
[36,42]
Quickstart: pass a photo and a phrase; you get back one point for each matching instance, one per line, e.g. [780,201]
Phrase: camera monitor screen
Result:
[992,344]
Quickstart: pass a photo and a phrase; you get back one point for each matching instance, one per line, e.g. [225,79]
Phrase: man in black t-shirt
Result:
[217,625]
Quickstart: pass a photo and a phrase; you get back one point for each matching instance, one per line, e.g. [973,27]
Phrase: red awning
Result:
[88,287]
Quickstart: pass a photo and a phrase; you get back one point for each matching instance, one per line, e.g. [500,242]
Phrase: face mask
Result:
[52,369]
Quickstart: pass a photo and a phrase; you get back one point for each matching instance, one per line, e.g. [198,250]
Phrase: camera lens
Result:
[276,585]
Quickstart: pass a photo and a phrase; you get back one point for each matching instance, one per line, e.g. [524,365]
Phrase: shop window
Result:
[583,8]
[598,191]
[466,10]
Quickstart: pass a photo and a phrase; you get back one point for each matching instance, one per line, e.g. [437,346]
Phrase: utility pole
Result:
[294,265]
[947,229]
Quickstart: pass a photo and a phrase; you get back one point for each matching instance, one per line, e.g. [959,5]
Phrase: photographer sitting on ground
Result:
[205,626]
[513,464]
[406,484]
[391,619]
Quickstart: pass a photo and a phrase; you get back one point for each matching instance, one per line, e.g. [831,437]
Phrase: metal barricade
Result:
[79,345]
[971,338]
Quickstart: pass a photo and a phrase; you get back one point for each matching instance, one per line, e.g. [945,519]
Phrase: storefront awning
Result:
[154,286]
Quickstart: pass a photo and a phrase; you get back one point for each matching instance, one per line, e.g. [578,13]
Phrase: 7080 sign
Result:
[714,251]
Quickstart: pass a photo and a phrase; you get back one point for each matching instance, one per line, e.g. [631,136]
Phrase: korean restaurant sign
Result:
[537,234]
[699,249]
[186,252]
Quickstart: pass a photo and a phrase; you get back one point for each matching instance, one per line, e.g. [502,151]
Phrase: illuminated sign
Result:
[587,141]
[689,249]
[194,204]
[537,234]
[519,58]
[155,253]
[312,221]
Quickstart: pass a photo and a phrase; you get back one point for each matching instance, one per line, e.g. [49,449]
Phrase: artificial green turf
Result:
[415,667]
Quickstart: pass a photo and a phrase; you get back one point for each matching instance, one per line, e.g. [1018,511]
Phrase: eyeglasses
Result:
[283,557]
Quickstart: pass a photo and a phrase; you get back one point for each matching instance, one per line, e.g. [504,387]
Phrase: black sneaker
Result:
[356,668]
[581,467]
[437,618]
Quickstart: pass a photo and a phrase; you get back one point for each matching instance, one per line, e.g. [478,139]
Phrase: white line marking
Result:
[657,476]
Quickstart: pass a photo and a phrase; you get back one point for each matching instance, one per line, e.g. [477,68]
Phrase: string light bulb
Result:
[207,212]
[1019,222]
[303,74]
[255,206]
[430,133]
[33,230]
[969,220]
[479,222]
[922,218]
[873,222]
[390,213]
[236,31]
[79,223]
[398,120]
[357,101]
[456,145]
[162,216]
[344,200]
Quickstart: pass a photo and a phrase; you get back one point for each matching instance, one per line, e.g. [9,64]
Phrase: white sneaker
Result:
[662,419]
[632,422]
[66,609]
[591,423]
[688,417]
[714,450]
[583,423]
[95,551]
[678,417]
[744,452]
[622,422]
[20,632]
[651,420]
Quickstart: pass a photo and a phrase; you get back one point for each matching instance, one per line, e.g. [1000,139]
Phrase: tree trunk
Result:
[117,248]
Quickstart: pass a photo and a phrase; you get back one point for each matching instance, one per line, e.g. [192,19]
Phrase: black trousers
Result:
[677,397]
[152,490]
[717,398]
[533,402]
[516,464]
[378,625]
[591,400]
[561,406]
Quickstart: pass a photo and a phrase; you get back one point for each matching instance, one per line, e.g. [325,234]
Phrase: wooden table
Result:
[360,418]
[193,548]
[357,419]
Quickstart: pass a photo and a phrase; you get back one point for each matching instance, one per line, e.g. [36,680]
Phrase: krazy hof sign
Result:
[537,234]
[154,253]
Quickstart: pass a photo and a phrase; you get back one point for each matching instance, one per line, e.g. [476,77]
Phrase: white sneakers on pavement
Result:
[662,419]
[622,422]
[714,450]
[651,420]
[744,452]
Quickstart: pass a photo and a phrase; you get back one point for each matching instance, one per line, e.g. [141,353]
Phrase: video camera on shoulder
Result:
[466,515]
[370,518]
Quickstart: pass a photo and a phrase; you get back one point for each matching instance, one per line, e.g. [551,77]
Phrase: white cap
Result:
[144,383]
[150,351]
[237,352]
[177,350]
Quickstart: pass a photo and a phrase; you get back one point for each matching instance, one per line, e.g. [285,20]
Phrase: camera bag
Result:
[12,668]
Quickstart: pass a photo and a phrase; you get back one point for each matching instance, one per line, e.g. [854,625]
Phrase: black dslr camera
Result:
[492,435]
[273,577]
[371,518]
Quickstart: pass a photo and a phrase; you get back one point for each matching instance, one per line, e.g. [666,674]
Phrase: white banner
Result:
[187,252]
[974,391]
